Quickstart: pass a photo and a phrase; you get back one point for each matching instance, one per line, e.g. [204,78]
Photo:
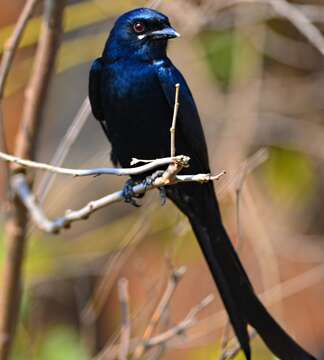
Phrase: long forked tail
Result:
[199,203]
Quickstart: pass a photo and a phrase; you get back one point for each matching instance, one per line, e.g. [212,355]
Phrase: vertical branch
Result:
[126,329]
[12,43]
[174,120]
[10,48]
[248,167]
[36,92]
[25,146]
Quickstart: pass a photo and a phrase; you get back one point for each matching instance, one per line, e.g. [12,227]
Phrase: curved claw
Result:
[128,193]
[149,180]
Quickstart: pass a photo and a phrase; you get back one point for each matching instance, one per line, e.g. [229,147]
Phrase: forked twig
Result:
[174,279]
[20,186]
[179,329]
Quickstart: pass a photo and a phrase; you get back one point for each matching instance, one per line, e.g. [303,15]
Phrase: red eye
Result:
[139,27]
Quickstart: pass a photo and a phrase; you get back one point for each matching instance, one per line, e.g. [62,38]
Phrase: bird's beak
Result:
[166,33]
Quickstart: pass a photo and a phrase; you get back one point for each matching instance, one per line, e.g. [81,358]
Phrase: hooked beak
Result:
[166,33]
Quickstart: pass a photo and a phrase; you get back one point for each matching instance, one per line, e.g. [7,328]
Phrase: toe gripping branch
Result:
[149,181]
[129,195]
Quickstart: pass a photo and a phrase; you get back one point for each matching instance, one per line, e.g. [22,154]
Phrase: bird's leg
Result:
[163,196]
[150,180]
[128,193]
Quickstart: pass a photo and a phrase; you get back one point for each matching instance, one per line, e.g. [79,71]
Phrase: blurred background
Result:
[258,81]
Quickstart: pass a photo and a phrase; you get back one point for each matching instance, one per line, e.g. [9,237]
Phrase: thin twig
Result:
[4,147]
[10,48]
[21,187]
[233,351]
[64,148]
[217,320]
[92,172]
[248,166]
[126,326]
[174,120]
[180,328]
[16,225]
[175,277]
[294,15]
[128,245]
[12,43]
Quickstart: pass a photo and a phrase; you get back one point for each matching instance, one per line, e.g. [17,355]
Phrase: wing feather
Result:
[95,89]
[188,121]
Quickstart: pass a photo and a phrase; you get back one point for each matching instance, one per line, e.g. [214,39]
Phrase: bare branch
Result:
[248,166]
[126,327]
[180,328]
[10,48]
[93,172]
[161,340]
[64,147]
[12,43]
[174,120]
[202,178]
[22,189]
[160,309]
[233,351]
[294,15]
[113,266]
[217,320]
[16,225]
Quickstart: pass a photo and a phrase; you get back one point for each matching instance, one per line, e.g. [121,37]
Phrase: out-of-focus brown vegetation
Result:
[258,83]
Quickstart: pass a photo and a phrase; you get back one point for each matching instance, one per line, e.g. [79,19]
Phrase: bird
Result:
[132,92]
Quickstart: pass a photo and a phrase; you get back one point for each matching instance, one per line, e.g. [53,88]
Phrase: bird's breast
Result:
[138,115]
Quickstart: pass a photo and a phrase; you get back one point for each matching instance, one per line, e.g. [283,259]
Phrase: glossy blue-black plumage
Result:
[132,90]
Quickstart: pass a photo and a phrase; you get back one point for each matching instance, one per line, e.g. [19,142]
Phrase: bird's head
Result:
[141,33]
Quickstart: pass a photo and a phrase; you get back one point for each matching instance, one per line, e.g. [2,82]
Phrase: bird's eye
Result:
[139,27]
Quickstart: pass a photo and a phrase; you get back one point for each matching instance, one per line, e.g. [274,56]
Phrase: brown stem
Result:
[126,324]
[25,147]
[10,48]
[12,43]
[160,309]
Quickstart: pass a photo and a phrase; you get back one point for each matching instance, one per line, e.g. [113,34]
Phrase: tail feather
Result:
[199,203]
[237,318]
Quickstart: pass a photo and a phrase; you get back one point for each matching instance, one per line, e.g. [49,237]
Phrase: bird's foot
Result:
[149,181]
[128,193]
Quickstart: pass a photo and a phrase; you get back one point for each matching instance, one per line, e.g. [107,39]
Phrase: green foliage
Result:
[212,352]
[2,250]
[61,343]
[229,54]
[58,343]
[289,175]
